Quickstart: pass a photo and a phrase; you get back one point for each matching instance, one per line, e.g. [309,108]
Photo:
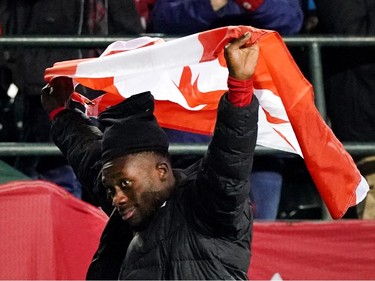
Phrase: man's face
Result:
[137,187]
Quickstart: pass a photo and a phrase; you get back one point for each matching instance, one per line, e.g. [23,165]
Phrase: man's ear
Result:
[163,170]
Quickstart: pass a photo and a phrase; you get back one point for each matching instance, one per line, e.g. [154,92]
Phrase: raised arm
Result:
[221,200]
[76,136]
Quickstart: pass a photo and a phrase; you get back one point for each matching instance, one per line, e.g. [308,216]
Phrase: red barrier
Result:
[329,250]
[46,233]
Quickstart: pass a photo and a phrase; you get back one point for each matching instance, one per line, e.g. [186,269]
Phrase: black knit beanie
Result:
[131,127]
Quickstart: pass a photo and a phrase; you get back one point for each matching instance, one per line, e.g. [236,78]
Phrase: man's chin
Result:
[138,227]
[139,224]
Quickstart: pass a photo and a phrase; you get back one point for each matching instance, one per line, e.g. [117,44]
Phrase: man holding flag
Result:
[166,224]
[187,77]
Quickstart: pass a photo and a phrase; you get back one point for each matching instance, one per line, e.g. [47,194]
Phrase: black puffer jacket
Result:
[203,231]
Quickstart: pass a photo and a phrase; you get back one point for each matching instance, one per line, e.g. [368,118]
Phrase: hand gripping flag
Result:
[187,77]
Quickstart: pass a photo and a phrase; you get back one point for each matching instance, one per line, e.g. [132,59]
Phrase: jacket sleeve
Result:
[221,195]
[80,142]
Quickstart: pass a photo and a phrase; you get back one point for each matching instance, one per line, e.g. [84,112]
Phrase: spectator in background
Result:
[192,16]
[311,19]
[42,18]
[51,18]
[349,83]
[9,131]
[144,8]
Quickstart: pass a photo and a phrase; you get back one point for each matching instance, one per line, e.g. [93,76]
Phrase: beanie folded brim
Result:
[131,127]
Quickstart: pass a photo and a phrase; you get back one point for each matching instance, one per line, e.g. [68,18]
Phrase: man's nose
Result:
[119,198]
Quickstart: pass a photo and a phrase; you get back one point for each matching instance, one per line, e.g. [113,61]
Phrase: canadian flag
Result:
[187,76]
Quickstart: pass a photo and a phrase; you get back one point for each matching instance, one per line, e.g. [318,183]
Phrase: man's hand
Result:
[57,93]
[241,58]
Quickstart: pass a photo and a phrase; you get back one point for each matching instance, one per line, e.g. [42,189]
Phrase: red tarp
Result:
[331,250]
[46,233]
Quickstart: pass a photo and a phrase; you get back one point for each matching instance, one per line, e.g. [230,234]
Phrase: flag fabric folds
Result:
[187,77]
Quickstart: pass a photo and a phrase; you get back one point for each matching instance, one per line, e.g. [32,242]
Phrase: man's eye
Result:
[125,183]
